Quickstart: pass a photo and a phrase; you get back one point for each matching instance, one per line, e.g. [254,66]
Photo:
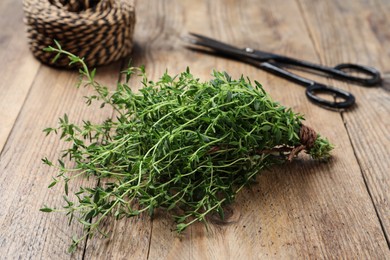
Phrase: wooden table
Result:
[306,209]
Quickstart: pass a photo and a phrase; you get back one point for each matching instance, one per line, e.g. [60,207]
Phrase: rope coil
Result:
[101,31]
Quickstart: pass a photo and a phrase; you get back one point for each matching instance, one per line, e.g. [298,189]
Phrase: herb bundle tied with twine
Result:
[178,144]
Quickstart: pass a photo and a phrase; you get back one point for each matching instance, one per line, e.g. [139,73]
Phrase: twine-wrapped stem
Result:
[307,137]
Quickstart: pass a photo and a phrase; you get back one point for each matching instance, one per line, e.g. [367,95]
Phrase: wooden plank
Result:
[362,37]
[306,209]
[131,237]
[27,233]
[18,66]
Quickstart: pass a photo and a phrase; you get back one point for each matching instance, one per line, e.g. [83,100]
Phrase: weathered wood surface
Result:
[306,209]
[364,37]
[18,66]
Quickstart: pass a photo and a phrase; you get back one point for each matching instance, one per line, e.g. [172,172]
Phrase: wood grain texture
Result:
[305,209]
[363,38]
[18,66]
[301,216]
[27,233]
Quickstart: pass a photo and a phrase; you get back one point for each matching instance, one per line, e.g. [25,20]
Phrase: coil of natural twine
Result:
[101,31]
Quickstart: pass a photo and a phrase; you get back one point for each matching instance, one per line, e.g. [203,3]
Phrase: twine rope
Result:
[101,31]
[307,137]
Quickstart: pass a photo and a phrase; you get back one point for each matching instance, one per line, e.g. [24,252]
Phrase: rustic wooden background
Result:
[305,209]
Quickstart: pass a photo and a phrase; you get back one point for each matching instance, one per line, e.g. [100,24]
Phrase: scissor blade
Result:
[218,46]
[206,41]
[223,48]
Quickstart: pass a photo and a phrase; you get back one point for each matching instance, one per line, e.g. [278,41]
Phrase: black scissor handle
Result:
[313,88]
[367,76]
[373,75]
[348,99]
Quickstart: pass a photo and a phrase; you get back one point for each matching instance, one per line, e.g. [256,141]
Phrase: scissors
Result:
[274,63]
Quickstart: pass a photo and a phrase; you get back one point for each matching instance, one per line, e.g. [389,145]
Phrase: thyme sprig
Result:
[178,144]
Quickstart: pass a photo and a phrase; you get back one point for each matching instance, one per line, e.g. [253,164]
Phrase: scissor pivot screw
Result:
[249,50]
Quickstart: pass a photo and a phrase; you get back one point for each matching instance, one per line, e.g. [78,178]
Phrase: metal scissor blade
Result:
[206,41]
[219,47]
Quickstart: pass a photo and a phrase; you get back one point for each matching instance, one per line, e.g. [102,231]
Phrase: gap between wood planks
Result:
[367,187]
[19,61]
[18,114]
[317,51]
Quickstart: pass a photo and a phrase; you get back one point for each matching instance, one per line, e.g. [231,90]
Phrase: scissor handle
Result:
[315,88]
[370,77]
[343,71]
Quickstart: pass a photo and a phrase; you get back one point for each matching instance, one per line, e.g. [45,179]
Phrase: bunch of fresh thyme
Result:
[178,144]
